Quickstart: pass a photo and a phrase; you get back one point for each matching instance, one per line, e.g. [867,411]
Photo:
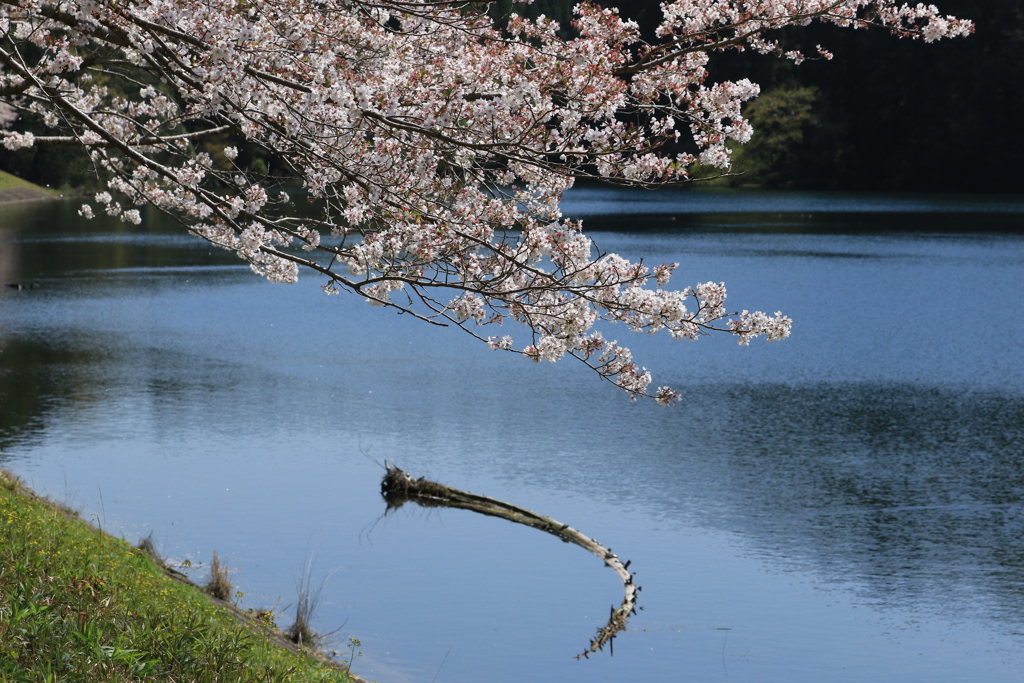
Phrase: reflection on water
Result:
[845,506]
[591,201]
[752,211]
[897,485]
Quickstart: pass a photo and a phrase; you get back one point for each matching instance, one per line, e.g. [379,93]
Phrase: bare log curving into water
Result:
[398,487]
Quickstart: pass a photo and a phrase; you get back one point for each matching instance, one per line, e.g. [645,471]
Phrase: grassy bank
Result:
[79,605]
[10,182]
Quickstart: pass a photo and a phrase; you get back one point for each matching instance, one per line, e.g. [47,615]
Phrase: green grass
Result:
[79,605]
[10,182]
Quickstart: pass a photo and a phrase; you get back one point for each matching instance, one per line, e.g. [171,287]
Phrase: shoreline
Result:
[21,195]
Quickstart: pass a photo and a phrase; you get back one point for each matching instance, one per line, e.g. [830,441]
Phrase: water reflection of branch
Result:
[398,488]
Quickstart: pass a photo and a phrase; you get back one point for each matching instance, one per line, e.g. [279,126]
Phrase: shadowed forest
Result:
[884,114]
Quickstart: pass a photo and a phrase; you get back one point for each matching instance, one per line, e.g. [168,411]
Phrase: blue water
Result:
[847,505]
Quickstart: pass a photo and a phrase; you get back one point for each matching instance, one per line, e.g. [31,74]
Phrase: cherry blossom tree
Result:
[435,144]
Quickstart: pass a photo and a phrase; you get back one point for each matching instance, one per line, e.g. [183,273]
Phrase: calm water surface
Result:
[847,505]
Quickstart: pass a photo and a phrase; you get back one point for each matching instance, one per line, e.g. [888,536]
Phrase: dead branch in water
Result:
[398,487]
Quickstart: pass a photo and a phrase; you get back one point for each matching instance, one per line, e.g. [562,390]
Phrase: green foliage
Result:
[79,605]
[789,141]
[353,652]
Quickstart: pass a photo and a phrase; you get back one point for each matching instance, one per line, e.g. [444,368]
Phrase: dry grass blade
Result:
[308,601]
[219,585]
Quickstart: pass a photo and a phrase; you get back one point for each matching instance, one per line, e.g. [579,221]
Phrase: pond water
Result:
[847,505]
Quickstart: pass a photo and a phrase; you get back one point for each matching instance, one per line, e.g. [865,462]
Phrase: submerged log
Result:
[398,487]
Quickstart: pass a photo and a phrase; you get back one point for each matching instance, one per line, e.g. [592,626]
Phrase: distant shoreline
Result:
[17,195]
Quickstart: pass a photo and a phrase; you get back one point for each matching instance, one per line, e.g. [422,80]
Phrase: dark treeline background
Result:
[885,114]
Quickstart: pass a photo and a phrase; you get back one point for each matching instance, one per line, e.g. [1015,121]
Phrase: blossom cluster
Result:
[436,144]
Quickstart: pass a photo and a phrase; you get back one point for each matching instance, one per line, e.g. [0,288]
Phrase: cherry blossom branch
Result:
[435,146]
